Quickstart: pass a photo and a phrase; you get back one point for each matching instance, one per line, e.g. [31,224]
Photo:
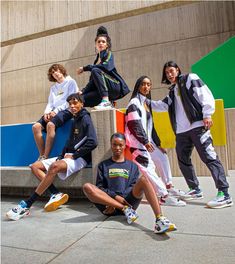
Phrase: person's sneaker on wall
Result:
[41,158]
[220,201]
[104,105]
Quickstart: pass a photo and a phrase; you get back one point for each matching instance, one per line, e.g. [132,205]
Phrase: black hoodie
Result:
[82,127]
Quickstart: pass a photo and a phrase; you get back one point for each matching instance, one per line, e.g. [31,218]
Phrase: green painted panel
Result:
[217,70]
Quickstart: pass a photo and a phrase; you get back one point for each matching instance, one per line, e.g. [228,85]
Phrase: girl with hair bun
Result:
[105,84]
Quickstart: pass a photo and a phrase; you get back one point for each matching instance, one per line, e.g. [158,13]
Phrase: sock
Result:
[158,216]
[125,206]
[52,189]
[104,100]
[225,191]
[169,186]
[32,199]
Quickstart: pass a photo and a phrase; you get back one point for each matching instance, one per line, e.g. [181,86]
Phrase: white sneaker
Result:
[41,158]
[176,192]
[18,212]
[130,214]
[172,201]
[193,195]
[103,106]
[163,225]
[220,201]
[55,201]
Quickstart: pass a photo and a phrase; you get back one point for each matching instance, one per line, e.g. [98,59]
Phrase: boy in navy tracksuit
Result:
[75,156]
[105,84]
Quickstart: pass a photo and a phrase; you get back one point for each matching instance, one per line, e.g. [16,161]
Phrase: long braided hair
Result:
[136,92]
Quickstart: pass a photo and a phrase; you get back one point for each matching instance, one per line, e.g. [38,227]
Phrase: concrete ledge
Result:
[21,181]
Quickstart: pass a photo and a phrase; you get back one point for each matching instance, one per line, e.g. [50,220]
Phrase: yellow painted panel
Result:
[218,129]
[163,126]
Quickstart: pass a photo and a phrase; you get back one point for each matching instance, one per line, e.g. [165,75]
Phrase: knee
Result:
[37,127]
[88,189]
[50,126]
[32,167]
[95,71]
[144,180]
[54,168]
[35,165]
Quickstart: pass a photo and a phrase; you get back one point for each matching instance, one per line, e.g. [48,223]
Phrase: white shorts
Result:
[72,166]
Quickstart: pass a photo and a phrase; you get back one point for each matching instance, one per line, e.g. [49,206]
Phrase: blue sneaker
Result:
[220,201]
[18,212]
[192,194]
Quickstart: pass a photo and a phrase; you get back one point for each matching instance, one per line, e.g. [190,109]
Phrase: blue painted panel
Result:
[18,147]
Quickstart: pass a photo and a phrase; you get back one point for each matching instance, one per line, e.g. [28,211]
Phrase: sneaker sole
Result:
[167,229]
[192,198]
[176,205]
[53,206]
[132,220]
[220,206]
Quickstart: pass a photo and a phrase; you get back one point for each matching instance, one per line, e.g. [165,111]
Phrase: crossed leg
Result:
[142,186]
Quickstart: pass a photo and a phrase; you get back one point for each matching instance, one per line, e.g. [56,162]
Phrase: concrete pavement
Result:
[78,233]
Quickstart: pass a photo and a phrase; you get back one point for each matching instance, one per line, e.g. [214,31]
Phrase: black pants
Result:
[100,85]
[202,140]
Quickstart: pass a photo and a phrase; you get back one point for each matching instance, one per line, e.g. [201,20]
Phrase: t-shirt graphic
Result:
[118,172]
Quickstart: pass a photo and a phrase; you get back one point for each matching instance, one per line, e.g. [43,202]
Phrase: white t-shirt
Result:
[59,93]
[182,121]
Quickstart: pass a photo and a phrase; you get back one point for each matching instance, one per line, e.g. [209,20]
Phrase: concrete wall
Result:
[20,180]
[145,34]
[25,19]
[141,44]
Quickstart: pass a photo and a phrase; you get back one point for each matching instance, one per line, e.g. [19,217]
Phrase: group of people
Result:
[119,186]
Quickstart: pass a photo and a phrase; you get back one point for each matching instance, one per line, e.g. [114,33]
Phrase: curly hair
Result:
[53,68]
